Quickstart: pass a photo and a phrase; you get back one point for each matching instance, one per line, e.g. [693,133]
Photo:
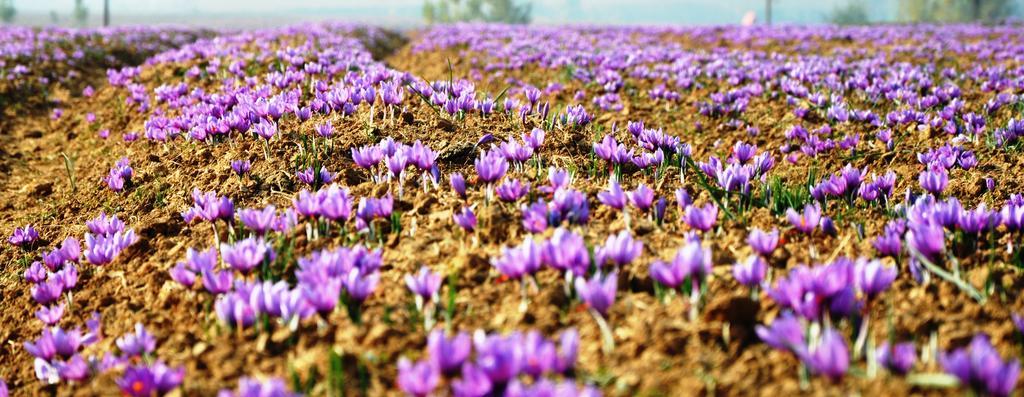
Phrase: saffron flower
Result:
[425,283]
[148,380]
[491,166]
[619,249]
[419,379]
[599,291]
[831,358]
[448,353]
[980,367]
[807,221]
[934,180]
[701,218]
[613,197]
[458,183]
[898,358]
[466,219]
[763,243]
[23,236]
[642,198]
[241,167]
[750,272]
[245,255]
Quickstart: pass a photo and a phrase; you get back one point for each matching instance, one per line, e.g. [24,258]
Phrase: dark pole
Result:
[768,12]
[106,12]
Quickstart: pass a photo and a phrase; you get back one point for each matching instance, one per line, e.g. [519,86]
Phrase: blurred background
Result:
[414,13]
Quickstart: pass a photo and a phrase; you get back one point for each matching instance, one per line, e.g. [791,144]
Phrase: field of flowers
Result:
[483,210]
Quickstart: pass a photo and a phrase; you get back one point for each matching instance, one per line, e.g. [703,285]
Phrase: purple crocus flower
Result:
[474,382]
[683,198]
[599,291]
[23,236]
[138,343]
[458,183]
[47,292]
[246,254]
[248,387]
[466,219]
[619,249]
[360,285]
[566,251]
[217,282]
[613,197]
[872,278]
[425,283]
[701,218]
[182,275]
[149,380]
[535,138]
[538,354]
[607,148]
[750,272]
[500,357]
[763,243]
[325,130]
[691,260]
[367,157]
[898,358]
[241,167]
[44,347]
[512,190]
[1018,320]
[831,358]
[927,239]
[258,220]
[74,369]
[785,333]
[448,353]
[491,166]
[934,180]
[419,379]
[807,221]
[50,315]
[104,225]
[335,203]
[234,310]
[568,349]
[980,367]
[659,209]
[35,273]
[521,260]
[642,198]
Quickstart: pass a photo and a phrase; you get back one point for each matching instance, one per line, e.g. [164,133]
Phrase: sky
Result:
[401,13]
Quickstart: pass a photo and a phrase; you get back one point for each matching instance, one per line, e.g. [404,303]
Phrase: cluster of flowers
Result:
[106,239]
[23,236]
[29,56]
[980,367]
[330,62]
[120,175]
[395,157]
[489,364]
[851,183]
[53,277]
[322,277]
[745,164]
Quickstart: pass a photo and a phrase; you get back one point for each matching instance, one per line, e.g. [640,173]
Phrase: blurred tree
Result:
[854,12]
[81,13]
[7,11]
[505,11]
[955,10]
